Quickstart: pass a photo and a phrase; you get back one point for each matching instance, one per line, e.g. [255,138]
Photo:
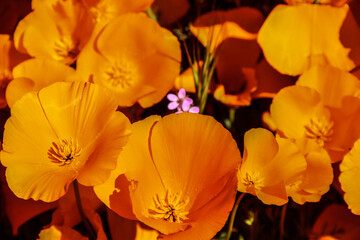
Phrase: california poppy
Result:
[64,132]
[140,67]
[266,173]
[56,31]
[177,174]
[327,112]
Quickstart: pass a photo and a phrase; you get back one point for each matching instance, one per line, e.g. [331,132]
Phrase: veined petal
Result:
[58,129]
[160,183]
[115,190]
[109,144]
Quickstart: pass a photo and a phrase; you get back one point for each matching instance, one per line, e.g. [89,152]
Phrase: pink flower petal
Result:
[194,109]
[186,105]
[172,97]
[173,105]
[181,93]
[188,100]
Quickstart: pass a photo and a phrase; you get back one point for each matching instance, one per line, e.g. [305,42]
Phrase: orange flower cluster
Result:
[84,84]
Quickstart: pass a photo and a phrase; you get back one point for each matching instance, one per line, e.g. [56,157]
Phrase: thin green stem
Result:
[232,216]
[92,234]
[151,14]
[282,222]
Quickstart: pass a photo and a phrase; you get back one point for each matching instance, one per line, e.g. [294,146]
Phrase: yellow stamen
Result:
[171,208]
[320,129]
[65,48]
[64,152]
[253,181]
[120,74]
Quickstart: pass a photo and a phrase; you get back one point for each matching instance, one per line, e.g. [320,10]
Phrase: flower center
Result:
[120,74]
[64,151]
[101,13]
[171,208]
[66,48]
[320,129]
[252,181]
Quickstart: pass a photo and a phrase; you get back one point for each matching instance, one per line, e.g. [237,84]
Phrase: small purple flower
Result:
[181,102]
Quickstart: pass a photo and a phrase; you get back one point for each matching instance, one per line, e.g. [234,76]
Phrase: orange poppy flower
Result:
[35,74]
[177,174]
[63,132]
[326,113]
[349,178]
[294,38]
[170,11]
[215,27]
[316,179]
[140,67]
[56,31]
[266,173]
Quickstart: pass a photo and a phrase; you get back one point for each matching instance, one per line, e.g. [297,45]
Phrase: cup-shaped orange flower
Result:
[63,132]
[268,165]
[35,74]
[300,111]
[56,30]
[349,178]
[135,58]
[177,174]
[294,38]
